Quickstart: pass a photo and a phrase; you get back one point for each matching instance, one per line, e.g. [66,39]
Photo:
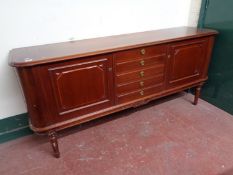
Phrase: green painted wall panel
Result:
[14,127]
[218,14]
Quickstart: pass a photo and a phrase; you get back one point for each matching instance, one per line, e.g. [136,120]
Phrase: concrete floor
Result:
[169,136]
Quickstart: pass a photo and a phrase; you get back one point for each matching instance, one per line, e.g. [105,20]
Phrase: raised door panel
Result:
[186,62]
[82,87]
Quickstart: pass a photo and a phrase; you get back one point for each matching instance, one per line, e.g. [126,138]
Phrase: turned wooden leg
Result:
[53,140]
[197,94]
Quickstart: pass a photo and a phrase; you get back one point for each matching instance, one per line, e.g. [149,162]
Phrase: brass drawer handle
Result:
[141,93]
[141,83]
[143,51]
[142,73]
[142,62]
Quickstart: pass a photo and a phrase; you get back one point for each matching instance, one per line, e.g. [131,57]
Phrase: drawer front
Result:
[139,72]
[138,64]
[144,83]
[138,53]
[139,75]
[139,94]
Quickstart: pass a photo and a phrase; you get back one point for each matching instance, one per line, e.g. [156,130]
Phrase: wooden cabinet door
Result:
[186,62]
[81,87]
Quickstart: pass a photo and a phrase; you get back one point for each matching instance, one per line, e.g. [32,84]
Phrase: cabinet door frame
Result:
[107,101]
[199,70]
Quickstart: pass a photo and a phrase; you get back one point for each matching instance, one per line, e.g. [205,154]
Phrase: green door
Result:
[218,14]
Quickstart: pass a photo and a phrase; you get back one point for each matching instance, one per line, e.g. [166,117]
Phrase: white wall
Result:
[33,22]
[194,12]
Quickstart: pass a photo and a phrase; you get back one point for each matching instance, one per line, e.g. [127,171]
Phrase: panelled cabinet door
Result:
[83,86]
[186,62]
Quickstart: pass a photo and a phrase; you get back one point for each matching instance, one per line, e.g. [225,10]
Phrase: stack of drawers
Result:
[139,72]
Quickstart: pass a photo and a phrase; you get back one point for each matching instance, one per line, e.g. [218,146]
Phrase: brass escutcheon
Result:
[142,62]
[143,51]
[142,74]
[141,93]
[141,83]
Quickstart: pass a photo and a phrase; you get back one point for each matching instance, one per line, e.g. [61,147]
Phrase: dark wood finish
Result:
[36,55]
[137,64]
[141,92]
[54,143]
[140,74]
[197,94]
[66,84]
[140,53]
[82,86]
[186,61]
[133,86]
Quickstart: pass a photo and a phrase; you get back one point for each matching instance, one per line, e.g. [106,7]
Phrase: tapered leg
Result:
[53,140]
[197,94]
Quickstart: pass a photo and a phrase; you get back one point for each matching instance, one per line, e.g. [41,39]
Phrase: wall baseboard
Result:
[14,127]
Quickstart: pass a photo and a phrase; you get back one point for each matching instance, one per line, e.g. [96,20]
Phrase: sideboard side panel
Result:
[33,96]
[208,56]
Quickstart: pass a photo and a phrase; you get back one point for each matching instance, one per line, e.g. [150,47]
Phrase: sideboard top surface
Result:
[36,55]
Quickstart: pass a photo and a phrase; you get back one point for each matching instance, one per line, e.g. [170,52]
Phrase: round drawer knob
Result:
[142,62]
[141,93]
[143,51]
[142,73]
[141,83]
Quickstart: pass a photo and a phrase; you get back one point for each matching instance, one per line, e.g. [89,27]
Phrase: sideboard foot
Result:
[54,143]
[197,94]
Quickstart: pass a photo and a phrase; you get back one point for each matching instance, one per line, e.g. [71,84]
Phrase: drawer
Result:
[139,94]
[139,64]
[143,52]
[144,83]
[139,75]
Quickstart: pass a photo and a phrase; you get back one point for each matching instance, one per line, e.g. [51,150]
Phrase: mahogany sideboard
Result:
[69,83]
